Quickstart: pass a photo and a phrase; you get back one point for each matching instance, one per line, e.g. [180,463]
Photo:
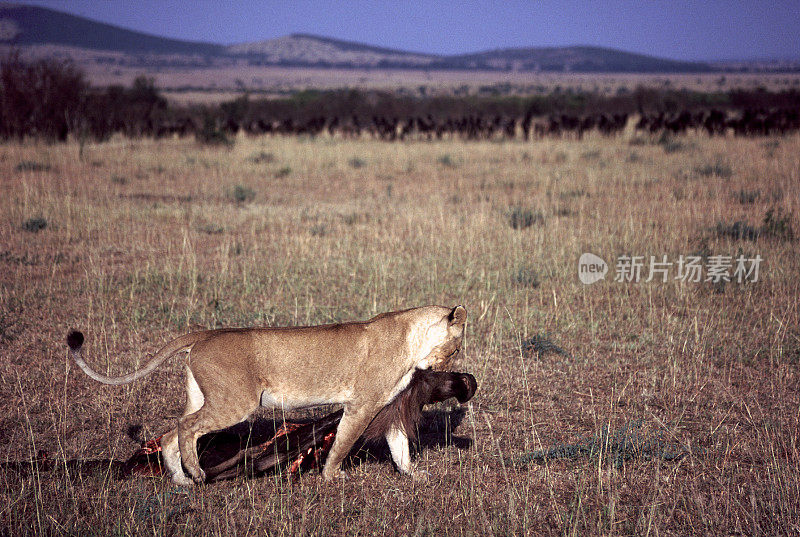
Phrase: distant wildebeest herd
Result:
[50,100]
[713,122]
[428,127]
[751,122]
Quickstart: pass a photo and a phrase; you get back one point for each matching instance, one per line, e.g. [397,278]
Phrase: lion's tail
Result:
[75,343]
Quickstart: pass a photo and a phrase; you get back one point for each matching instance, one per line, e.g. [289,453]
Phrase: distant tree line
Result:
[50,100]
[39,99]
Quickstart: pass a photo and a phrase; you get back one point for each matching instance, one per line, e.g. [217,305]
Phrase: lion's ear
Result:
[458,315]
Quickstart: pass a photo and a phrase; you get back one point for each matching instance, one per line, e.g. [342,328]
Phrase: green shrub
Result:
[357,163]
[319,230]
[521,218]
[718,169]
[262,158]
[210,229]
[673,146]
[669,144]
[778,225]
[771,146]
[747,197]
[540,345]
[739,230]
[32,166]
[242,194]
[211,134]
[526,277]
[575,193]
[447,160]
[34,225]
[638,141]
[628,442]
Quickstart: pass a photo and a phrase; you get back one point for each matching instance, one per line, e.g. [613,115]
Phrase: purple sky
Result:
[699,30]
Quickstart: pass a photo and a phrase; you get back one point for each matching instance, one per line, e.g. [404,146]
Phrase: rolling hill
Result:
[572,59]
[26,26]
[306,49]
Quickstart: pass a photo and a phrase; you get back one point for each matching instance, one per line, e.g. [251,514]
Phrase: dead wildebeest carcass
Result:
[298,447]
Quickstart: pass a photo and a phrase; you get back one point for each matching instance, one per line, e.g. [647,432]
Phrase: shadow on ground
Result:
[435,432]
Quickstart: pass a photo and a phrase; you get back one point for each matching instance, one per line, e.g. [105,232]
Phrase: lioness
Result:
[361,365]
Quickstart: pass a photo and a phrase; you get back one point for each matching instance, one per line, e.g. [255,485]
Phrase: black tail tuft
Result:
[135,433]
[75,340]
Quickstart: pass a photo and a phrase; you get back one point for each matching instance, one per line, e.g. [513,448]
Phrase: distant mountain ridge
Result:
[346,45]
[306,49]
[24,25]
[30,26]
[575,59]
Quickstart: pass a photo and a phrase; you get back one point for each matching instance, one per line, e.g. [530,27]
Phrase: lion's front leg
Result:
[354,422]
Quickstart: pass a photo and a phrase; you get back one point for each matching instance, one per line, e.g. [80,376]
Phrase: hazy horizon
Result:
[707,31]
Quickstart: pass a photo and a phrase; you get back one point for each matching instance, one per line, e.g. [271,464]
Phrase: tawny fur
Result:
[361,365]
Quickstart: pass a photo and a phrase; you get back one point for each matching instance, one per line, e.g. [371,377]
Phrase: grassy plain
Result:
[139,241]
[182,85]
[211,86]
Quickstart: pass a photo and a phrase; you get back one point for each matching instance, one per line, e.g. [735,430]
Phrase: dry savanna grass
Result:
[216,84]
[613,408]
[183,81]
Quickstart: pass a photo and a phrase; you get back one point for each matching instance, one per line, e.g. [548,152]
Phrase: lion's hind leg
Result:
[219,410]
[170,453]
[171,456]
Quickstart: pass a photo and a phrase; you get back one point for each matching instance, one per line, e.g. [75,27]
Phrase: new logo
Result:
[591,268]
